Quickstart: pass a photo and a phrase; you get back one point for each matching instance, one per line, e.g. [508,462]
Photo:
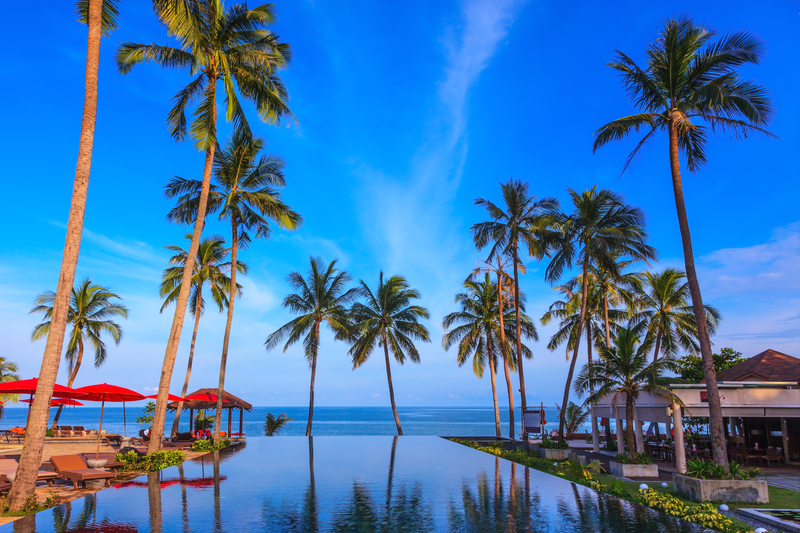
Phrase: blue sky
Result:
[406,115]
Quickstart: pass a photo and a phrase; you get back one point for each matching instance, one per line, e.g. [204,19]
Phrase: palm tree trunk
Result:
[494,384]
[504,348]
[718,444]
[177,422]
[523,402]
[565,401]
[630,439]
[605,319]
[391,388]
[27,472]
[70,381]
[313,375]
[160,414]
[658,345]
[224,359]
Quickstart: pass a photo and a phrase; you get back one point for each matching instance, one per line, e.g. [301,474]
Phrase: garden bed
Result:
[633,470]
[721,490]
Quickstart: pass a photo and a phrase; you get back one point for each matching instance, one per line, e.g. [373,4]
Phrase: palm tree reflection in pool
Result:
[404,510]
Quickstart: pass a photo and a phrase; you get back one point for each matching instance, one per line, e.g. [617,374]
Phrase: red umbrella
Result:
[108,393]
[171,398]
[28,386]
[204,397]
[58,401]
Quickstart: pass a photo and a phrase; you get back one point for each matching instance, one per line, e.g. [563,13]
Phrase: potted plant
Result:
[633,464]
[554,450]
[704,481]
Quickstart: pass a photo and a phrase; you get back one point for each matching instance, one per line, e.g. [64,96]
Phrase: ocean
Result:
[437,421]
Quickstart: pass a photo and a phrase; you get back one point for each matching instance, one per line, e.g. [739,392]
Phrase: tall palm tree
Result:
[100,17]
[505,283]
[690,84]
[665,315]
[600,230]
[246,194]
[567,313]
[231,48]
[210,268]
[624,370]
[8,372]
[505,232]
[91,313]
[321,297]
[476,329]
[388,318]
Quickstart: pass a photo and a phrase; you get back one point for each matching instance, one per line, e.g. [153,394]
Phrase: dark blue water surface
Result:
[438,421]
[350,484]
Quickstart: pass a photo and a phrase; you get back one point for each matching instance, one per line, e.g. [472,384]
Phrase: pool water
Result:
[350,484]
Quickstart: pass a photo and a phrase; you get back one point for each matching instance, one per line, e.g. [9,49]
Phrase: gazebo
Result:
[233,402]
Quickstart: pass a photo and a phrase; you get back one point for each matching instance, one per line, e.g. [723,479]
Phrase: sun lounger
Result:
[4,487]
[74,468]
[64,431]
[78,431]
[9,466]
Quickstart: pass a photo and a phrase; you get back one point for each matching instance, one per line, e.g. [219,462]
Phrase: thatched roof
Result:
[234,402]
[766,366]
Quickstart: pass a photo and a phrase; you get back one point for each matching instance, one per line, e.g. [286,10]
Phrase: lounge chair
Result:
[78,431]
[9,466]
[64,431]
[73,468]
[4,487]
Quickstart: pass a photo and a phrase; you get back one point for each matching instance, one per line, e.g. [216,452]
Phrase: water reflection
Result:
[397,509]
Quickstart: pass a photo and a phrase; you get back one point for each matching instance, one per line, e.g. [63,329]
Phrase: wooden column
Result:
[241,418]
[680,451]
[229,421]
[191,420]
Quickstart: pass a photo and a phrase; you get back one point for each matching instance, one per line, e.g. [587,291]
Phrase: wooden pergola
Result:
[234,402]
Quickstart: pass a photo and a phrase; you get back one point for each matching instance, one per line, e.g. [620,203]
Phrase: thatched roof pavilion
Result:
[234,402]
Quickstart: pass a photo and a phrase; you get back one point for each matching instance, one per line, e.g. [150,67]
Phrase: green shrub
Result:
[554,444]
[207,445]
[150,463]
[633,458]
[704,514]
[703,469]
[580,470]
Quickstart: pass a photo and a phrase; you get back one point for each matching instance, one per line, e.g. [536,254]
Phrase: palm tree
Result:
[91,313]
[274,425]
[600,230]
[576,416]
[231,48]
[476,329]
[8,372]
[387,318]
[665,314]
[100,17]
[504,284]
[505,232]
[246,194]
[321,297]
[688,77]
[210,267]
[568,312]
[624,370]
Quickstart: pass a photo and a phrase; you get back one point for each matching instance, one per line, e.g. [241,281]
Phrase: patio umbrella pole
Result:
[100,431]
[28,419]
[124,421]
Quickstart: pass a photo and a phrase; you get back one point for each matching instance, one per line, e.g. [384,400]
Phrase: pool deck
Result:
[65,490]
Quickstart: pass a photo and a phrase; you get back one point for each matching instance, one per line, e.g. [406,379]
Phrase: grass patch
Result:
[704,514]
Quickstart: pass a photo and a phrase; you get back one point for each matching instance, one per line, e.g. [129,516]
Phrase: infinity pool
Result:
[350,484]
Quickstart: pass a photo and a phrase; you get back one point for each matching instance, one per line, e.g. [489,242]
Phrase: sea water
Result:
[436,421]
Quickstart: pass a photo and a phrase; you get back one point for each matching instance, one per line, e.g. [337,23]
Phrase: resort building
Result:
[760,405]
